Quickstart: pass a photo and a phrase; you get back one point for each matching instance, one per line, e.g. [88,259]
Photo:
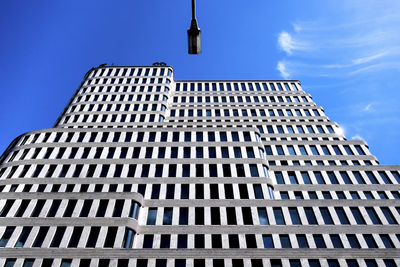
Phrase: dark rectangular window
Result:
[233,241]
[199,216]
[152,216]
[285,241]
[342,215]
[262,216]
[93,235]
[326,216]
[55,243]
[231,216]
[278,214]
[7,235]
[353,241]
[216,241]
[75,237]
[372,215]
[40,236]
[251,241]
[22,237]
[319,241]
[183,215]
[182,241]
[167,219]
[294,215]
[110,237]
[302,241]
[357,215]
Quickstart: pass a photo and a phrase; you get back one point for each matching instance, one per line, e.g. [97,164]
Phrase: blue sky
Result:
[346,53]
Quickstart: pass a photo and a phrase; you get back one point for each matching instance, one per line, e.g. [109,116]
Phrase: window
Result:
[370,241]
[302,241]
[326,216]
[233,241]
[167,220]
[285,241]
[353,241]
[357,215]
[387,241]
[182,241]
[389,216]
[319,241]
[148,241]
[278,214]
[26,230]
[6,236]
[294,215]
[151,217]
[342,215]
[310,216]
[258,191]
[40,236]
[372,215]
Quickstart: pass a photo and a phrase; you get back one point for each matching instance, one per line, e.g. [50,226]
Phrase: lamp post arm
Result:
[193,9]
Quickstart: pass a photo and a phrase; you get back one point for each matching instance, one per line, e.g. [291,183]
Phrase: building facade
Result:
[143,170]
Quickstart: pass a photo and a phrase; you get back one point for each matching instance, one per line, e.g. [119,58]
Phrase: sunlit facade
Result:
[144,170]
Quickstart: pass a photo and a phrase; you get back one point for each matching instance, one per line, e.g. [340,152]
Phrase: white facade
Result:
[143,170]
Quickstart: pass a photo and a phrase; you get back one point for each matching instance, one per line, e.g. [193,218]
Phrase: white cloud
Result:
[283,70]
[285,42]
[357,137]
[289,44]
[297,27]
[366,59]
[340,130]
[367,107]
[355,46]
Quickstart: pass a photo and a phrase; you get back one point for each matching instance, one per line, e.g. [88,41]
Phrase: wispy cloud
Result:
[282,69]
[289,44]
[357,137]
[367,107]
[367,42]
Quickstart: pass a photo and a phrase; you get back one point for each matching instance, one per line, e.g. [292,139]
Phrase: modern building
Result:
[144,170]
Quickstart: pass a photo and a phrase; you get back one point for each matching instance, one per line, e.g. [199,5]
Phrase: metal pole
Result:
[193,9]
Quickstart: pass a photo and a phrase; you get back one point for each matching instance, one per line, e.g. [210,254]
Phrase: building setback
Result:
[143,170]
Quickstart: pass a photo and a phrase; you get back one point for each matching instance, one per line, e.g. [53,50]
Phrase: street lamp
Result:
[194,33]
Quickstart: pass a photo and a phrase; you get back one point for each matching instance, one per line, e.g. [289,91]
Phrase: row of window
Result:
[132,72]
[320,162]
[66,236]
[342,177]
[267,241]
[241,112]
[127,137]
[67,188]
[271,216]
[158,191]
[135,170]
[124,97]
[70,208]
[72,237]
[234,99]
[137,152]
[243,86]
[113,118]
[339,194]
[202,191]
[126,81]
[296,129]
[314,150]
[117,89]
[10,262]
[117,107]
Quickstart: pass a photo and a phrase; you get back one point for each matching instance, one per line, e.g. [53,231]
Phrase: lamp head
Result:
[194,38]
